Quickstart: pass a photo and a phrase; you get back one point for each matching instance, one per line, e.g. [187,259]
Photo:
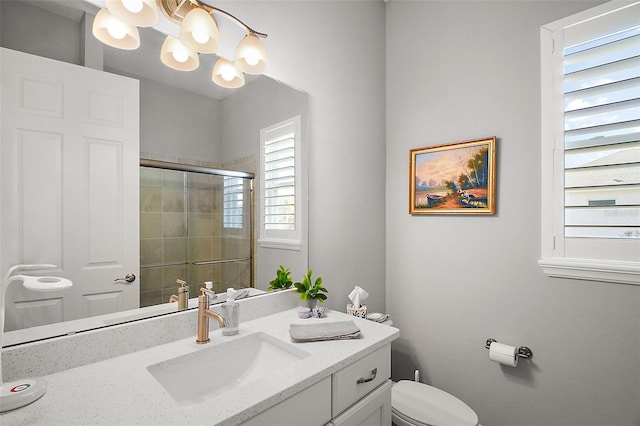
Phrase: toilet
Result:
[416,404]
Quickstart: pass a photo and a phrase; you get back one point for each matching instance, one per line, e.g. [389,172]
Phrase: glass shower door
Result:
[196,227]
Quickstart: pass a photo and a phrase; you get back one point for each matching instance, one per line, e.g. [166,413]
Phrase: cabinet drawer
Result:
[309,407]
[373,409]
[355,381]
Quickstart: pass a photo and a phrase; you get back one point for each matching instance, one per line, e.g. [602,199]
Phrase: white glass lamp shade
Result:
[225,74]
[141,13]
[114,32]
[176,55]
[251,56]
[199,31]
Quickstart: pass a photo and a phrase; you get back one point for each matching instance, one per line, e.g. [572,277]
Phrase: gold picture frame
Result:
[457,178]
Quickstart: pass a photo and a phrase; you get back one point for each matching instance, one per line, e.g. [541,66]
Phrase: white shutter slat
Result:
[604,114]
[594,156]
[603,216]
[610,134]
[622,174]
[604,94]
[625,45]
[604,74]
[627,195]
[603,232]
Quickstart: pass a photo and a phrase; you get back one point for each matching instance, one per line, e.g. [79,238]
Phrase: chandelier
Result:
[117,25]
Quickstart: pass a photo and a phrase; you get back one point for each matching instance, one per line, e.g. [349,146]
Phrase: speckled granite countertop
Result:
[120,390]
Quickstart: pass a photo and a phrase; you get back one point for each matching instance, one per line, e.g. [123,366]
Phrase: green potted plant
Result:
[309,292]
[282,280]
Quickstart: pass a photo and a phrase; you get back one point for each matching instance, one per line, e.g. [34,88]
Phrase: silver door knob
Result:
[128,278]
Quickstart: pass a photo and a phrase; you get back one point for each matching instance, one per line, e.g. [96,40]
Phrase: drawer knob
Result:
[361,380]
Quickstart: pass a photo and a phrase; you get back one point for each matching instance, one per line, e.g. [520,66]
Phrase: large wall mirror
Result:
[183,119]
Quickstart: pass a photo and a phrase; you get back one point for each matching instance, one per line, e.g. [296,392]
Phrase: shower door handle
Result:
[129,278]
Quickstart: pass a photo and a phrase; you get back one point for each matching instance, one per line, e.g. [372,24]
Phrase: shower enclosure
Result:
[196,224]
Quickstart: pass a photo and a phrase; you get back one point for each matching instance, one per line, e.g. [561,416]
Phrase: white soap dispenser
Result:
[231,315]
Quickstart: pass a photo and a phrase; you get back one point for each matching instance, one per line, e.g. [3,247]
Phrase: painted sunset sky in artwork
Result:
[434,168]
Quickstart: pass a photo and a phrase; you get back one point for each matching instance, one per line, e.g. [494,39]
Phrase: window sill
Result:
[592,270]
[281,244]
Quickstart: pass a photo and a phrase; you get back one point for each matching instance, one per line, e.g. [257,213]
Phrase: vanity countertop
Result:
[120,390]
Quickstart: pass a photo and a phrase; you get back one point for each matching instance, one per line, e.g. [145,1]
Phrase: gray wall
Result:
[179,123]
[262,103]
[259,104]
[46,34]
[334,50]
[466,70]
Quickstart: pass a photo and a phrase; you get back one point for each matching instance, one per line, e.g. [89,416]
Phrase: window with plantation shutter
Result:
[233,202]
[279,184]
[591,145]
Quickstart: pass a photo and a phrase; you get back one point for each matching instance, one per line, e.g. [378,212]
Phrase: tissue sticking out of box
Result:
[357,296]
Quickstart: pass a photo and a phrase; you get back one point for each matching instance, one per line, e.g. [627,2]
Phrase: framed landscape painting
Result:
[457,178]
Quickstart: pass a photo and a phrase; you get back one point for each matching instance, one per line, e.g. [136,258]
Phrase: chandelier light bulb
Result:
[116,29]
[176,55]
[199,31]
[200,37]
[225,74]
[115,33]
[180,54]
[251,55]
[134,6]
[141,13]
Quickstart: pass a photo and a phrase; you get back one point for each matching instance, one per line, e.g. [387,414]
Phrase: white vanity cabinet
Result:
[361,392]
[357,395]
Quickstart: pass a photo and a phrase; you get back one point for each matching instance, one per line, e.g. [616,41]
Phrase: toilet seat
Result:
[425,405]
[397,416]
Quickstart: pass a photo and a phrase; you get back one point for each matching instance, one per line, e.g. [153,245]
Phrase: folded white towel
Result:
[324,331]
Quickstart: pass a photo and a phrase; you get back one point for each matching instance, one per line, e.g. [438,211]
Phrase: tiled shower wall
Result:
[181,222]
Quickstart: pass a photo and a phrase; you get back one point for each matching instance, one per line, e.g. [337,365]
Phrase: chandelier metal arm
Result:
[233,18]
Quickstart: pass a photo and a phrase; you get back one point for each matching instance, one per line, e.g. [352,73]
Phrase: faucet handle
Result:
[209,289]
[184,288]
[208,294]
[206,291]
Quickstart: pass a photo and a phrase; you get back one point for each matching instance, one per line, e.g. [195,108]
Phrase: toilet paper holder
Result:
[523,351]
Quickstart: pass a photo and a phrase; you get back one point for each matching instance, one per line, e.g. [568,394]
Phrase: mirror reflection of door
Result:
[56,117]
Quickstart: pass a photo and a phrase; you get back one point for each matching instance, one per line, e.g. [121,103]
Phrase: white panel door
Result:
[70,180]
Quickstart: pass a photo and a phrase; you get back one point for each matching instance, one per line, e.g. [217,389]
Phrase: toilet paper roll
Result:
[503,354]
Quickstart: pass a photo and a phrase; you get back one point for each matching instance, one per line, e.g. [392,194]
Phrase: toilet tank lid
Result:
[430,405]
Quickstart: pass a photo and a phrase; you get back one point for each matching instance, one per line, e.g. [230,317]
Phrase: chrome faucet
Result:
[204,313]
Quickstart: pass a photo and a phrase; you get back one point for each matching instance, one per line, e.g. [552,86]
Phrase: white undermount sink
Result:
[224,365]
